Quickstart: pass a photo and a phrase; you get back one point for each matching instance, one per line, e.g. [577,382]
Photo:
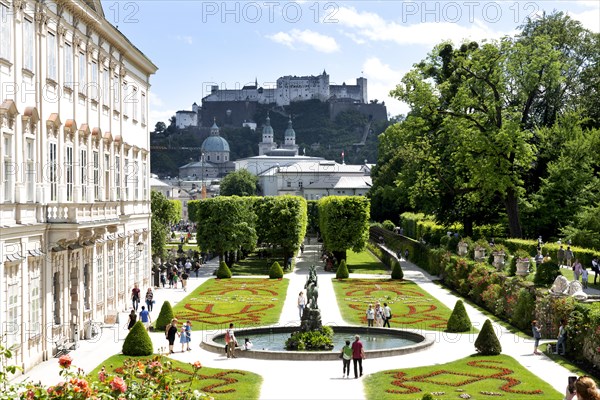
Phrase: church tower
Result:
[290,138]
[267,143]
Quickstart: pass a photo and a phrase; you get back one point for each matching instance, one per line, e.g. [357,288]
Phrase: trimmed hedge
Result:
[546,273]
[164,317]
[487,343]
[342,271]
[459,320]
[530,246]
[138,342]
[275,272]
[223,272]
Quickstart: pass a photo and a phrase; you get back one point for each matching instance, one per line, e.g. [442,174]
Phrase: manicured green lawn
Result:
[472,375]
[247,302]
[412,307]
[255,266]
[222,384]
[364,263]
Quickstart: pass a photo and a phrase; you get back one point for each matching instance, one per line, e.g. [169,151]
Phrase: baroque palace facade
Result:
[74,173]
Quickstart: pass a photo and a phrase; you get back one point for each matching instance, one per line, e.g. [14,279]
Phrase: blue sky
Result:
[196,44]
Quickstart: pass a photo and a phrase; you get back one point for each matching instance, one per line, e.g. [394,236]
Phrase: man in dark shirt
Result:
[358,354]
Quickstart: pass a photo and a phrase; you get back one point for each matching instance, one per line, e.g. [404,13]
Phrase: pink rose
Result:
[65,361]
[118,384]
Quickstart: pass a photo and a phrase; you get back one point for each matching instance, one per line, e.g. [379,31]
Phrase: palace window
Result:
[100,277]
[30,169]
[84,175]
[53,170]
[69,171]
[51,55]
[28,44]
[68,54]
[5,32]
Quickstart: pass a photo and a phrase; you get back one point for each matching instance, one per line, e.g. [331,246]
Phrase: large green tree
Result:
[344,223]
[468,142]
[239,183]
[281,221]
[225,224]
[165,213]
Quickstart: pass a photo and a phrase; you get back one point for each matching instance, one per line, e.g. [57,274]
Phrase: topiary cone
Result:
[164,317]
[342,271]
[459,319]
[138,342]
[487,343]
[397,272]
[223,272]
[275,272]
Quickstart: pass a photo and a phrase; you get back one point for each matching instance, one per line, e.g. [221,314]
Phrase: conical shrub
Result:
[223,272]
[427,396]
[459,319]
[487,344]
[397,272]
[276,272]
[138,342]
[164,317]
[342,271]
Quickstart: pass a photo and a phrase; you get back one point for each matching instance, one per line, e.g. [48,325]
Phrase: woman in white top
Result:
[301,303]
[378,315]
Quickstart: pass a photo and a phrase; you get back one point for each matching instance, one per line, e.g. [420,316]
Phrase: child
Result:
[370,315]
[248,344]
[584,278]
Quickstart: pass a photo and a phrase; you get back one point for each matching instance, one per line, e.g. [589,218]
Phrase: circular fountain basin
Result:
[269,342]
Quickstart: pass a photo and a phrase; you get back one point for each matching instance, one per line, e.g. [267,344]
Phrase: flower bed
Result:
[245,302]
[412,307]
[473,377]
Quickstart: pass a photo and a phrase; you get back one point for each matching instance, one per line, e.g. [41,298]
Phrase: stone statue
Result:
[312,290]
[562,286]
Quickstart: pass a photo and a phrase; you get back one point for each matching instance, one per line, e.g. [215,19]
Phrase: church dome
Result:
[289,132]
[215,143]
[267,128]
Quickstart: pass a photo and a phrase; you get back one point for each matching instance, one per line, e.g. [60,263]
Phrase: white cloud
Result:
[185,39]
[155,100]
[296,37]
[373,27]
[590,18]
[381,78]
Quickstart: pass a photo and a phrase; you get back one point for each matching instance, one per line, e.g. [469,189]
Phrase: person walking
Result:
[370,315]
[562,339]
[569,256]
[163,278]
[149,299]
[301,303]
[378,315]
[184,278]
[135,297]
[358,354]
[170,332]
[175,279]
[387,315]
[560,256]
[537,335]
[188,333]
[184,339]
[230,341]
[346,357]
[577,269]
[595,268]
[145,318]
[584,277]
[132,320]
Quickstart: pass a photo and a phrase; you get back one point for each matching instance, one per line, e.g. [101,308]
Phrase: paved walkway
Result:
[318,379]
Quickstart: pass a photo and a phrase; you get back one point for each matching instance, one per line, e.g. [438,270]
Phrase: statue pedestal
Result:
[311,320]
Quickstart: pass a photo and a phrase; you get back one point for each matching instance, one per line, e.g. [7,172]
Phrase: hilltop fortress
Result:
[238,106]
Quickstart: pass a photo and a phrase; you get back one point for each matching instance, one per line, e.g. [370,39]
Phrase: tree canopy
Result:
[344,223]
[239,183]
[165,213]
[470,142]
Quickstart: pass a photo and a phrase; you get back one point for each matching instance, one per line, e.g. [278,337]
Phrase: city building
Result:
[214,159]
[74,173]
